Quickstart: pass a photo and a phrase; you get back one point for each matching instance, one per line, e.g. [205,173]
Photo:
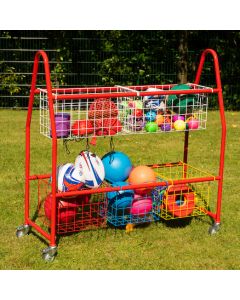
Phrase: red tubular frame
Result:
[111,92]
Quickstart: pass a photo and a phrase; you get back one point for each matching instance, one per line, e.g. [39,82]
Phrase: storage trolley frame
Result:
[77,101]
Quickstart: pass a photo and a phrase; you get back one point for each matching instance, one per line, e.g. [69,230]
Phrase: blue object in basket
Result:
[150,116]
[117,166]
[120,199]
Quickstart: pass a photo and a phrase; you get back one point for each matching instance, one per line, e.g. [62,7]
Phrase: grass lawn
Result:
[160,246]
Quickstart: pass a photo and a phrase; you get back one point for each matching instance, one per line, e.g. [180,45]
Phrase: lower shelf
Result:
[119,208]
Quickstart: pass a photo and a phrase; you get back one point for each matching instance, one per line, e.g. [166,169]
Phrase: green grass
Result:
[155,246]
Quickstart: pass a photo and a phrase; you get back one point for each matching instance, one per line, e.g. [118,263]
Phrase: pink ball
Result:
[141,205]
[193,123]
[177,117]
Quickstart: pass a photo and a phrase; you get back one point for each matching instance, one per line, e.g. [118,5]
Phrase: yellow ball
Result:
[179,125]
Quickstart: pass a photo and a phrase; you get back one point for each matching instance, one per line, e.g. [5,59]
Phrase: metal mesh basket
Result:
[102,111]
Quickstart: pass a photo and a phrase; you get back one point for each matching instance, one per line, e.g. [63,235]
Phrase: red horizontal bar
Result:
[136,186]
[43,176]
[39,229]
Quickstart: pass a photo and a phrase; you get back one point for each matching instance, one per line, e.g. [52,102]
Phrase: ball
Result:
[150,116]
[166,127]
[192,123]
[177,117]
[179,125]
[138,113]
[68,178]
[66,210]
[135,124]
[117,166]
[120,200]
[108,126]
[92,167]
[141,205]
[151,127]
[159,120]
[82,127]
[140,175]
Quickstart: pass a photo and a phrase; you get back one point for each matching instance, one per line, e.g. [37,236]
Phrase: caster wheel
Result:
[214,228]
[22,230]
[48,254]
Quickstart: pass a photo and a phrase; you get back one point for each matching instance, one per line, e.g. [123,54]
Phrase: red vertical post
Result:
[54,142]
[223,121]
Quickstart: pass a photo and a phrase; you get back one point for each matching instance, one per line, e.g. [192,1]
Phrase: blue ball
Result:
[120,199]
[150,116]
[117,166]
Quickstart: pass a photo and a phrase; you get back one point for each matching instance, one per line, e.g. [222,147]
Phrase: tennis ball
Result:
[179,125]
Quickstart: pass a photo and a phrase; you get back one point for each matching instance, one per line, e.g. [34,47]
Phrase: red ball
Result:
[82,127]
[138,113]
[108,126]
[67,208]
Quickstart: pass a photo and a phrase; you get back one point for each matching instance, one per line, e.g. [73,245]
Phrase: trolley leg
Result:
[49,253]
[22,230]
[214,228]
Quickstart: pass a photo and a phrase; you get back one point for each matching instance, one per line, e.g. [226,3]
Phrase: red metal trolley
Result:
[177,182]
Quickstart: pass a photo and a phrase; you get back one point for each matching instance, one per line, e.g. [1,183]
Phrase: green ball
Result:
[151,127]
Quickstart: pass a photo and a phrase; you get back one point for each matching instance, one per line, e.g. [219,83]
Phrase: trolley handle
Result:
[216,67]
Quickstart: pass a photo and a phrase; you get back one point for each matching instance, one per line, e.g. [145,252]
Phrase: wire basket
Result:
[119,110]
[187,199]
[73,214]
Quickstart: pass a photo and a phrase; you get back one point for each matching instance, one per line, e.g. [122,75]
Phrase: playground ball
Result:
[120,199]
[69,179]
[179,125]
[151,127]
[140,175]
[193,123]
[82,127]
[166,127]
[92,167]
[159,120]
[66,211]
[138,113]
[117,166]
[150,116]
[177,117]
[141,205]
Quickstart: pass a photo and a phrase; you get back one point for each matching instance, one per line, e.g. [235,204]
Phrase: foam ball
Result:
[179,125]
[177,117]
[193,123]
[166,127]
[142,174]
[159,120]
[117,166]
[82,127]
[141,205]
[138,113]
[151,127]
[120,199]
[150,116]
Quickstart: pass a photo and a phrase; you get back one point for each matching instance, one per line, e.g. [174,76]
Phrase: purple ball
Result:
[166,127]
[177,117]
[135,124]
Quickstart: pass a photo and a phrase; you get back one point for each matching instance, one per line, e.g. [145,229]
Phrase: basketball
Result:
[140,175]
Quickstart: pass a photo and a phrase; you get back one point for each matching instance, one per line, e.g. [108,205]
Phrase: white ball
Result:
[69,179]
[92,167]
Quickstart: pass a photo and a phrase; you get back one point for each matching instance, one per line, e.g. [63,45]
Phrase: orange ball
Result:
[159,120]
[142,174]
